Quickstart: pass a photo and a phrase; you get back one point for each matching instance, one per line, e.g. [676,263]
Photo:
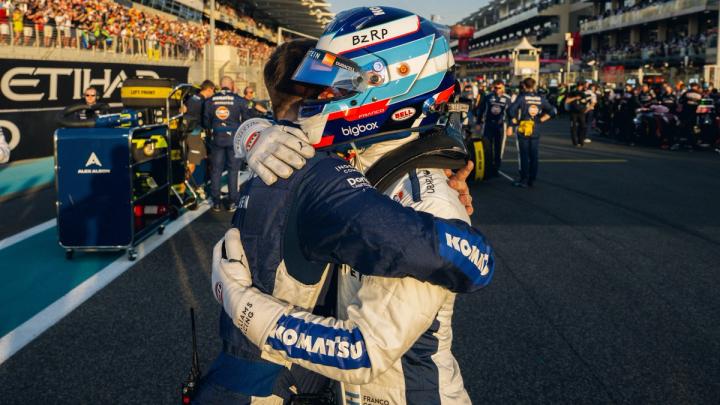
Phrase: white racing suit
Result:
[392,341]
[407,320]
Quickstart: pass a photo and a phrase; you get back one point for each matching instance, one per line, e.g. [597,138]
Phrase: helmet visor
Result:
[340,76]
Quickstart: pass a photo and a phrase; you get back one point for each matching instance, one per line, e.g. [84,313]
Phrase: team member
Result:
[492,114]
[593,92]
[223,114]
[687,111]
[194,142]
[90,96]
[524,113]
[389,333]
[577,103]
[469,98]
[253,109]
[668,100]
[627,105]
[646,97]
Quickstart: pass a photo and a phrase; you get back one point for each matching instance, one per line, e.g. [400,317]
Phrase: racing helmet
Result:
[380,72]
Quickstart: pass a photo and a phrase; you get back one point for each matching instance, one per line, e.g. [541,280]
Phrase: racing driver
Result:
[393,345]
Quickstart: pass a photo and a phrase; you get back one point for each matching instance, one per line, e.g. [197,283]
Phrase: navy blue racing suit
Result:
[529,107]
[492,113]
[194,112]
[327,212]
[222,116]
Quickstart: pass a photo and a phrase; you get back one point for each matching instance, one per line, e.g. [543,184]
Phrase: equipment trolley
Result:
[113,186]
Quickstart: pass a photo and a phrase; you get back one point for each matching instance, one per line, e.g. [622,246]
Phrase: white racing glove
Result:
[272,151]
[253,312]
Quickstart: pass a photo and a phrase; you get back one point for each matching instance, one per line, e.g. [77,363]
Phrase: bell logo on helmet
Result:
[358,130]
[403,114]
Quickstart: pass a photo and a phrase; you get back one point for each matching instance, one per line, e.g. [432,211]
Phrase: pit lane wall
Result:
[37,83]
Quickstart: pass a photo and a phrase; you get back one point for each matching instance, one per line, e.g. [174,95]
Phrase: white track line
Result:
[33,327]
[505,175]
[19,237]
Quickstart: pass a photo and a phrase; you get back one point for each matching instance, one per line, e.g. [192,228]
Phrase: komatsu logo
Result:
[471,252]
[319,345]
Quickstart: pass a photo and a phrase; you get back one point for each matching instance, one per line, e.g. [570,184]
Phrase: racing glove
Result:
[272,151]
[231,285]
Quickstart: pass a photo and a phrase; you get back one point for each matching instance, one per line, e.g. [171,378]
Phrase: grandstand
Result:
[63,46]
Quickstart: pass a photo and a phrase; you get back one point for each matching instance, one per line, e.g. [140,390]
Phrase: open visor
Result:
[327,70]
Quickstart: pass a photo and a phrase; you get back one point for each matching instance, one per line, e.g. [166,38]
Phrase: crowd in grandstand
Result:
[244,22]
[636,6]
[91,24]
[677,46]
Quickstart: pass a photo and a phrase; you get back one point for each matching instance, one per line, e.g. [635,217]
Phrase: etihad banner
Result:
[34,92]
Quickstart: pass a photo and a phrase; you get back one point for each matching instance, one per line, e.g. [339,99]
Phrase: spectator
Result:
[4,23]
[18,25]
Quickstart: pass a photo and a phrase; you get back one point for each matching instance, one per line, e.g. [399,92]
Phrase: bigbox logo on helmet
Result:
[357,130]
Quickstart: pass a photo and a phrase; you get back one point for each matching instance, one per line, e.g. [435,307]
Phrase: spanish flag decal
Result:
[329,59]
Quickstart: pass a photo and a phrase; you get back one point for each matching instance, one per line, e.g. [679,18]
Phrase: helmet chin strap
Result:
[367,156]
[357,162]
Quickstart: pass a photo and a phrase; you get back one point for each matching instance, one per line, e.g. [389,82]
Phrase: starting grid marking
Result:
[19,337]
[19,237]
[582,161]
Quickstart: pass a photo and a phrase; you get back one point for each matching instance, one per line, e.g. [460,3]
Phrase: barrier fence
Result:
[153,49]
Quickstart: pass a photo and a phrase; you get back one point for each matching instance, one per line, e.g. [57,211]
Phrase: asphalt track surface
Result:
[605,292]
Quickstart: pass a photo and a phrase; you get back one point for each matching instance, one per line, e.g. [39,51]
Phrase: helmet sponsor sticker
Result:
[359,129]
[377,10]
[222,113]
[364,111]
[403,114]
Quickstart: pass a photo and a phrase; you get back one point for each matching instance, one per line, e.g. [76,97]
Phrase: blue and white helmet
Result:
[381,71]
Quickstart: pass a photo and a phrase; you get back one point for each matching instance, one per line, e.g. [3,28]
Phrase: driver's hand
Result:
[509,131]
[458,182]
[272,151]
[229,265]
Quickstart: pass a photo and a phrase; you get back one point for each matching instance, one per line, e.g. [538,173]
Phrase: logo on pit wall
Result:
[403,114]
[222,113]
